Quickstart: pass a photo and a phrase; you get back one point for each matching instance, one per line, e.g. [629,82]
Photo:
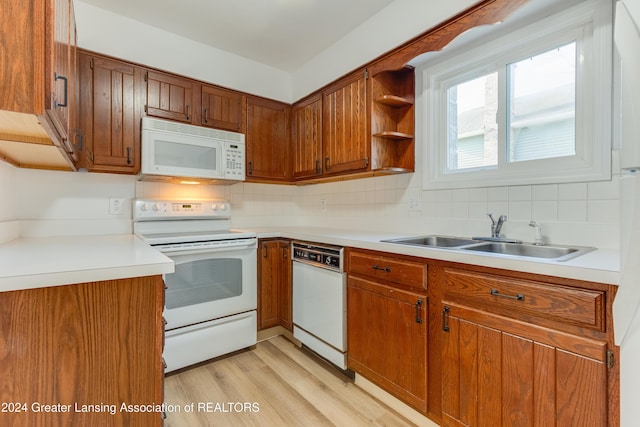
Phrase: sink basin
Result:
[507,249]
[434,241]
[549,252]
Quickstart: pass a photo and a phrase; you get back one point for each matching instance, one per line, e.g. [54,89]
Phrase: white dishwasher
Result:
[320,300]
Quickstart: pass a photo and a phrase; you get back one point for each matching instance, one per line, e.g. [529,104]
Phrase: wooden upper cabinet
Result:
[37,73]
[307,137]
[345,127]
[169,96]
[393,121]
[111,112]
[221,108]
[268,140]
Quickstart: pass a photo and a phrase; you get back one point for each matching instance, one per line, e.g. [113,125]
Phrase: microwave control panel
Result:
[234,161]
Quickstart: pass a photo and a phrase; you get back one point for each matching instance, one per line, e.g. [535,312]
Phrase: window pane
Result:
[542,94]
[472,131]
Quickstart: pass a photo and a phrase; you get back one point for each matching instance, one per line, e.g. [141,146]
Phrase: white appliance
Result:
[211,298]
[626,306]
[320,300]
[177,150]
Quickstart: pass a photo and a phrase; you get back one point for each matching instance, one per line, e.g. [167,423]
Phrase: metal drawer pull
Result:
[495,292]
[387,269]
[445,313]
[418,307]
[56,77]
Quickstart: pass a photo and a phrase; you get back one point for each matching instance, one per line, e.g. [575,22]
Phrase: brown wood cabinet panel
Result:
[90,343]
[274,284]
[37,73]
[169,96]
[222,108]
[387,338]
[392,121]
[507,295]
[268,140]
[345,133]
[389,268]
[494,376]
[111,112]
[285,299]
[307,137]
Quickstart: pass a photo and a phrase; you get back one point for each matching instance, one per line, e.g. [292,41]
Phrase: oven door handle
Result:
[194,251]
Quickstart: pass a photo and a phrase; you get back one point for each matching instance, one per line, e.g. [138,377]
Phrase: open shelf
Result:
[394,101]
[394,135]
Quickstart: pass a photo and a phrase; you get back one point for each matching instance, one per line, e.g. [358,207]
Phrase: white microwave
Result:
[175,150]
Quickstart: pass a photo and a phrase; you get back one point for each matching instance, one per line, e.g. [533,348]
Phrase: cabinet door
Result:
[90,343]
[345,130]
[61,68]
[307,138]
[169,97]
[285,296]
[501,372]
[267,140]
[110,115]
[387,339]
[221,108]
[269,289]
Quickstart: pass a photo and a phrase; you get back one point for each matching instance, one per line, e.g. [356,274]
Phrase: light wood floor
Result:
[280,384]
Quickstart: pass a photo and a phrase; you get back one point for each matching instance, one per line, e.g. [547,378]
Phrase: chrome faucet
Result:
[539,239]
[496,226]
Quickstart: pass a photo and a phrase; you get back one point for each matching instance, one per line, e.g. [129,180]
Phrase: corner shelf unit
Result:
[393,121]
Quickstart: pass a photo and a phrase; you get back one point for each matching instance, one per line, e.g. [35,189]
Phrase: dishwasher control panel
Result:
[329,257]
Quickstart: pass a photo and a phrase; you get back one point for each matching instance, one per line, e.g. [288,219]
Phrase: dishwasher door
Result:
[320,311]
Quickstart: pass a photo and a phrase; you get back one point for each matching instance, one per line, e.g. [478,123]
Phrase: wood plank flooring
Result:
[276,384]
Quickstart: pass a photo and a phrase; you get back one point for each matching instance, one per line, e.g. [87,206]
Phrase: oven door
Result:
[210,284]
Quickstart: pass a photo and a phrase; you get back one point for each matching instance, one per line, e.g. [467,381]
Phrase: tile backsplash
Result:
[579,214]
[49,202]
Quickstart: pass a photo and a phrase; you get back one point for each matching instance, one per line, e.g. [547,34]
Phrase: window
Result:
[530,107]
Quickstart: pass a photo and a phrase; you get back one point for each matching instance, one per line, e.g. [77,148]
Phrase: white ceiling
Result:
[284,34]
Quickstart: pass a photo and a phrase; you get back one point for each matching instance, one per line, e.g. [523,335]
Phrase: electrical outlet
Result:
[116,206]
[414,205]
[323,205]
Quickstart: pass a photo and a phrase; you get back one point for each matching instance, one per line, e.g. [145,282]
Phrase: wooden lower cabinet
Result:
[387,338]
[500,372]
[274,284]
[71,346]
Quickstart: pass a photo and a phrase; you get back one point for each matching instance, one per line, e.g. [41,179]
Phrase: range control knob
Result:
[143,207]
[155,207]
[223,206]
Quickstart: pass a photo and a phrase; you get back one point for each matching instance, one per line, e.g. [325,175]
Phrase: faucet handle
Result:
[490,215]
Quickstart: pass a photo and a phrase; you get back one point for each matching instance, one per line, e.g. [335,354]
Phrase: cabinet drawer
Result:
[527,299]
[388,268]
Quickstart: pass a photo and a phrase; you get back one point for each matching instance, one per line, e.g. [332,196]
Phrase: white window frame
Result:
[590,25]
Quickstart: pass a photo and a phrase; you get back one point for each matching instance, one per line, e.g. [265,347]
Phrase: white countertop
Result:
[601,265]
[27,263]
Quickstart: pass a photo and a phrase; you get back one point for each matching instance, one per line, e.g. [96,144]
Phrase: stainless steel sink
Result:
[549,252]
[497,248]
[434,241]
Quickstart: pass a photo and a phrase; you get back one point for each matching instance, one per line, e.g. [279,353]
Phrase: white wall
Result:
[141,43]
[52,203]
[105,32]
[400,21]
